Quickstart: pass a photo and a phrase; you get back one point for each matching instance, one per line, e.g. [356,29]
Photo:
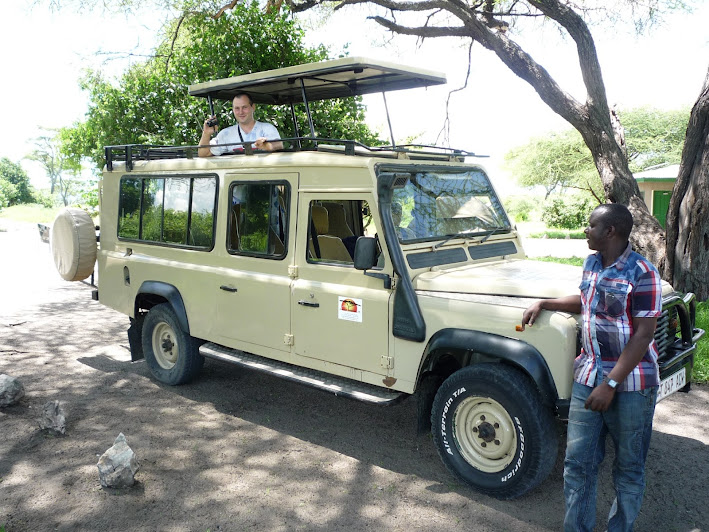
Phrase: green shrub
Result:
[701,357]
[567,214]
[521,207]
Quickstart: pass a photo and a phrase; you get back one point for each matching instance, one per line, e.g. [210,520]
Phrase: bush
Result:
[43,198]
[571,214]
[8,192]
[521,207]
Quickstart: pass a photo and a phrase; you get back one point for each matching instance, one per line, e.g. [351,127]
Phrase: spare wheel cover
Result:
[73,243]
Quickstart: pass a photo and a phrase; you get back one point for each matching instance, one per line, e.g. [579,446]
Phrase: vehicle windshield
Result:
[441,204]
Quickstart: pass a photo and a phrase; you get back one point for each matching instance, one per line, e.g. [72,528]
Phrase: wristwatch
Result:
[610,382]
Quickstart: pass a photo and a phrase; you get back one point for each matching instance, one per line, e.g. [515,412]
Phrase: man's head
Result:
[243,107]
[609,223]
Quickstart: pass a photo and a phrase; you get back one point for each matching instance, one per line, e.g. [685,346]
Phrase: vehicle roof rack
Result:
[128,153]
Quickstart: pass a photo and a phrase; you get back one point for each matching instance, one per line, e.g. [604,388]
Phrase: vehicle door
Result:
[339,314]
[253,297]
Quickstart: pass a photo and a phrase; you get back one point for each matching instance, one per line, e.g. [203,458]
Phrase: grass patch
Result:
[30,212]
[573,261]
[560,234]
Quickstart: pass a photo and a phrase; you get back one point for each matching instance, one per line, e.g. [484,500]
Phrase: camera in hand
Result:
[213,122]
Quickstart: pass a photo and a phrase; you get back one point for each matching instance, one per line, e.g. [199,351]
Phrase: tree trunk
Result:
[687,265]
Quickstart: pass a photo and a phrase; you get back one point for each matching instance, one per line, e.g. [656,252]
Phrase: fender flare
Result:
[171,294]
[513,352]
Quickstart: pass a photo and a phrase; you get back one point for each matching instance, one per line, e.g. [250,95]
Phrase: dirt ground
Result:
[238,450]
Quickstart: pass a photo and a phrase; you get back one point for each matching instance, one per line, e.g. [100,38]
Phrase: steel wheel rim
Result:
[165,345]
[484,434]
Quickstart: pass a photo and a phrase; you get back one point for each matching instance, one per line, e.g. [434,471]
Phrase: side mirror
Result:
[365,257]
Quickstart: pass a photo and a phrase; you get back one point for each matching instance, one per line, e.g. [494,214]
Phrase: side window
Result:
[333,229]
[176,211]
[258,219]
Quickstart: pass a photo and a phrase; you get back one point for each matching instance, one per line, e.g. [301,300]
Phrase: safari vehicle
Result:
[374,273]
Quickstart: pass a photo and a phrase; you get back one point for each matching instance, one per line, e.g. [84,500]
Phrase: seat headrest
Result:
[320,219]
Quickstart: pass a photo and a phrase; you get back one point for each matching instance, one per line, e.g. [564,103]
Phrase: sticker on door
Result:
[349,309]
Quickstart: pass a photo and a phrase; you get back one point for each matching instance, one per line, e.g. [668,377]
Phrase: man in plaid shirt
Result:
[616,375]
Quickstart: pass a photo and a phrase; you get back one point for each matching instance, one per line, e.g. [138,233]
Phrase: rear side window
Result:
[258,219]
[178,211]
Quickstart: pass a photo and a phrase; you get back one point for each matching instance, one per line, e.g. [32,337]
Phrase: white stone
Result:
[118,465]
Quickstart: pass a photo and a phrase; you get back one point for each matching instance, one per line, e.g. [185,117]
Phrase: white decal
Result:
[349,309]
[443,419]
[512,473]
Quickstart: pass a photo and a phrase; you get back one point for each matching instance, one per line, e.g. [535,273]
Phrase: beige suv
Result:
[371,273]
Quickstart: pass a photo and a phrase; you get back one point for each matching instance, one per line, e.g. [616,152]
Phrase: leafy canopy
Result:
[15,185]
[149,104]
[561,160]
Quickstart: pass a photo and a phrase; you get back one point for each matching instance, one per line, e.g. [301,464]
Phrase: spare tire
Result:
[73,243]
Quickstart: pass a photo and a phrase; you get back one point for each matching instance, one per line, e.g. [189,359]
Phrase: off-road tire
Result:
[492,431]
[171,354]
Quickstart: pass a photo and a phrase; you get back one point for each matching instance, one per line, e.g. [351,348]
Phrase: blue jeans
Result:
[629,422]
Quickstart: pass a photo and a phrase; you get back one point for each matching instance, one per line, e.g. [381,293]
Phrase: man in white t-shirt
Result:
[247,129]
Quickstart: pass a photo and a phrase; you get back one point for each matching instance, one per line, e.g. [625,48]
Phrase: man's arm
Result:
[571,304]
[207,131]
[643,333]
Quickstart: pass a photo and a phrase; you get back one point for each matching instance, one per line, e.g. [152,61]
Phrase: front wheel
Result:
[492,431]
[172,354]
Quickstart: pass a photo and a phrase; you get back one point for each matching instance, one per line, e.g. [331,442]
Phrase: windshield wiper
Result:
[462,234]
[492,232]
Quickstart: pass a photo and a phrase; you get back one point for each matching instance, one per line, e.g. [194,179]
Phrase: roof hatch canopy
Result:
[348,76]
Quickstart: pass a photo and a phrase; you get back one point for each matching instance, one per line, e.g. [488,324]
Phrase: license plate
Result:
[671,384]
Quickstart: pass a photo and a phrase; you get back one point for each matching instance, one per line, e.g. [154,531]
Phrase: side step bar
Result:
[360,391]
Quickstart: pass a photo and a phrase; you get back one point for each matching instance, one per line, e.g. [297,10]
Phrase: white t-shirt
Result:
[231,134]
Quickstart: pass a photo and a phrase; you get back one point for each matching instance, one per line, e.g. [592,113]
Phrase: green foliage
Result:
[567,214]
[7,191]
[149,104]
[562,160]
[521,207]
[13,174]
[555,162]
[701,357]
[653,136]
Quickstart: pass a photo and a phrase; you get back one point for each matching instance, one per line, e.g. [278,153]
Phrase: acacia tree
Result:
[561,160]
[488,22]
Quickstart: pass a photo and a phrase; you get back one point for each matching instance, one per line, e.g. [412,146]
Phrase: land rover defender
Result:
[375,273]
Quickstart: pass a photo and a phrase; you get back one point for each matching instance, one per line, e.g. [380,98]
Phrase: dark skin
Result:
[604,238]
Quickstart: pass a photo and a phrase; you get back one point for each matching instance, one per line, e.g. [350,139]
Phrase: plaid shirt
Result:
[610,298]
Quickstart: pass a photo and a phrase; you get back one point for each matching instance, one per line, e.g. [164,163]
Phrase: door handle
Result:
[228,288]
[308,303]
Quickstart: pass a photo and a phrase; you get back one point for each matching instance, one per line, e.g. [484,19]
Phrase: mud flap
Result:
[425,393]
[135,333]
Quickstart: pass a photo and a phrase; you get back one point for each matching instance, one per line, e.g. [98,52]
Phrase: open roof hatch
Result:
[349,76]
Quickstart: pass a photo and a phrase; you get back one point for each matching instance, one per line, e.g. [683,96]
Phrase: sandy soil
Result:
[237,450]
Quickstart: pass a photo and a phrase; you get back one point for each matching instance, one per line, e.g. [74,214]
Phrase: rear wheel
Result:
[492,431]
[172,354]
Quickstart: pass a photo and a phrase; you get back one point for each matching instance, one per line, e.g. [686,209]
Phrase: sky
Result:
[44,54]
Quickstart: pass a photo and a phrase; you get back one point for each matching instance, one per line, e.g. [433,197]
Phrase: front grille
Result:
[666,331]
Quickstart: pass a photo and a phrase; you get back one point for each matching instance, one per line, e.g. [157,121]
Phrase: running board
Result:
[360,391]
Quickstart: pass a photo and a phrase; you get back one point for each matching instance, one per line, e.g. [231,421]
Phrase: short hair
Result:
[618,216]
[241,95]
